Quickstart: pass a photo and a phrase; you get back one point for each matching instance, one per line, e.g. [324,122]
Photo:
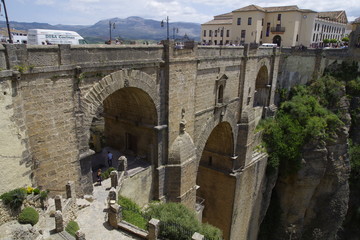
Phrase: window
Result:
[204,33]
[268,29]
[220,94]
[249,20]
[279,17]
[318,27]
[315,26]
[222,33]
[297,37]
[314,37]
[227,33]
[239,21]
[243,32]
[216,33]
[261,35]
[210,33]
[210,161]
[262,22]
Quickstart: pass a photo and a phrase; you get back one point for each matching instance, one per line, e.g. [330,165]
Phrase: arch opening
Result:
[124,125]
[262,88]
[216,185]
[277,40]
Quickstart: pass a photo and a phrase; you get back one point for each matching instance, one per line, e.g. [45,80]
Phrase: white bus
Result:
[47,37]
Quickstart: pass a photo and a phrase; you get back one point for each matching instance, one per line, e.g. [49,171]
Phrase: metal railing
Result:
[278,29]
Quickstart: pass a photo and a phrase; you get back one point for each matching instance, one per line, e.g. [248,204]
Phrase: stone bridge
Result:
[190,113]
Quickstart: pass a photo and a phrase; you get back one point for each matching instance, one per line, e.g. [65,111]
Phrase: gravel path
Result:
[93,220]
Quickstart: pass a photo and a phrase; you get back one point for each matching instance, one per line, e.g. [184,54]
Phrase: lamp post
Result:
[111,25]
[7,22]
[175,30]
[167,26]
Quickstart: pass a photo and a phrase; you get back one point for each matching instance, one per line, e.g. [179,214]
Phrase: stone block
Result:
[153,228]
[59,223]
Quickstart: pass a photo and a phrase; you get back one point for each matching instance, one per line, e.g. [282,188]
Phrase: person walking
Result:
[109,158]
[98,174]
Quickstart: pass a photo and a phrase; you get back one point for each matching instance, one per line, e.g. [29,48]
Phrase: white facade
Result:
[287,26]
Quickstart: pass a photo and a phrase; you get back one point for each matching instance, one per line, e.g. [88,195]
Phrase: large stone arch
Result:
[94,97]
[215,180]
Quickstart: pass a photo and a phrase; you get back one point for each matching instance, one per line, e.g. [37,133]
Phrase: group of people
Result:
[99,172]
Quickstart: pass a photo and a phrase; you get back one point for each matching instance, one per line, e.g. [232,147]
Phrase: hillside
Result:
[131,28]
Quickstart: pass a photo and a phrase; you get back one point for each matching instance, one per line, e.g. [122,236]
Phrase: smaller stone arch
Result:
[262,87]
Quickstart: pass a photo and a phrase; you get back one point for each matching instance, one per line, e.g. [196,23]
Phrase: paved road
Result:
[92,219]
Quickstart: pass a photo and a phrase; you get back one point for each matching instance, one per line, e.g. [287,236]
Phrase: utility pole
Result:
[7,22]
[167,26]
[111,25]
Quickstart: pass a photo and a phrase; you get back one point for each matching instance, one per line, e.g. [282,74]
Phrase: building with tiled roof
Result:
[283,25]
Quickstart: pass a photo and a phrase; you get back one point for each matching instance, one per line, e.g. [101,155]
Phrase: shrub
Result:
[131,213]
[72,227]
[14,198]
[36,191]
[44,194]
[106,174]
[298,121]
[28,216]
[29,190]
[177,220]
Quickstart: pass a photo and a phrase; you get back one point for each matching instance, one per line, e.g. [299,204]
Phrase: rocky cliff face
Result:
[312,203]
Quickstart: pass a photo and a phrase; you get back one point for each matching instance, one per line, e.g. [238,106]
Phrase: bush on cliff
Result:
[28,216]
[298,121]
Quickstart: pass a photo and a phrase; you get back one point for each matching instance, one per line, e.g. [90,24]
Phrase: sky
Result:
[88,12]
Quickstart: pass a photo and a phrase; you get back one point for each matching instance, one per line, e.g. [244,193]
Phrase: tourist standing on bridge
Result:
[109,158]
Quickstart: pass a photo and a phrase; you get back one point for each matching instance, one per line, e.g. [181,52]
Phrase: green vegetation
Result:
[72,227]
[44,194]
[131,213]
[23,68]
[28,216]
[14,198]
[354,153]
[106,174]
[176,221]
[299,120]
[174,214]
[345,39]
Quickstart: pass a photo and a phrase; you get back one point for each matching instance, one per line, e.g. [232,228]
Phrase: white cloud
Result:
[45,2]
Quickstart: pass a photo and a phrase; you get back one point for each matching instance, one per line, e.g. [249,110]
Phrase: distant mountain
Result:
[131,28]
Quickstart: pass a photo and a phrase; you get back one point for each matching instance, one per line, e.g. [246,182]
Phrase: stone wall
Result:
[60,89]
[139,187]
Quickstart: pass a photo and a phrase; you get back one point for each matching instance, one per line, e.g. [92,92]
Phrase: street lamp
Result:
[167,26]
[175,30]
[7,22]
[111,25]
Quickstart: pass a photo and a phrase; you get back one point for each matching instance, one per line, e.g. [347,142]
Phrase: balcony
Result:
[278,29]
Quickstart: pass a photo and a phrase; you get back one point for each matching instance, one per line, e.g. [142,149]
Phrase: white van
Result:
[47,36]
[269,45]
